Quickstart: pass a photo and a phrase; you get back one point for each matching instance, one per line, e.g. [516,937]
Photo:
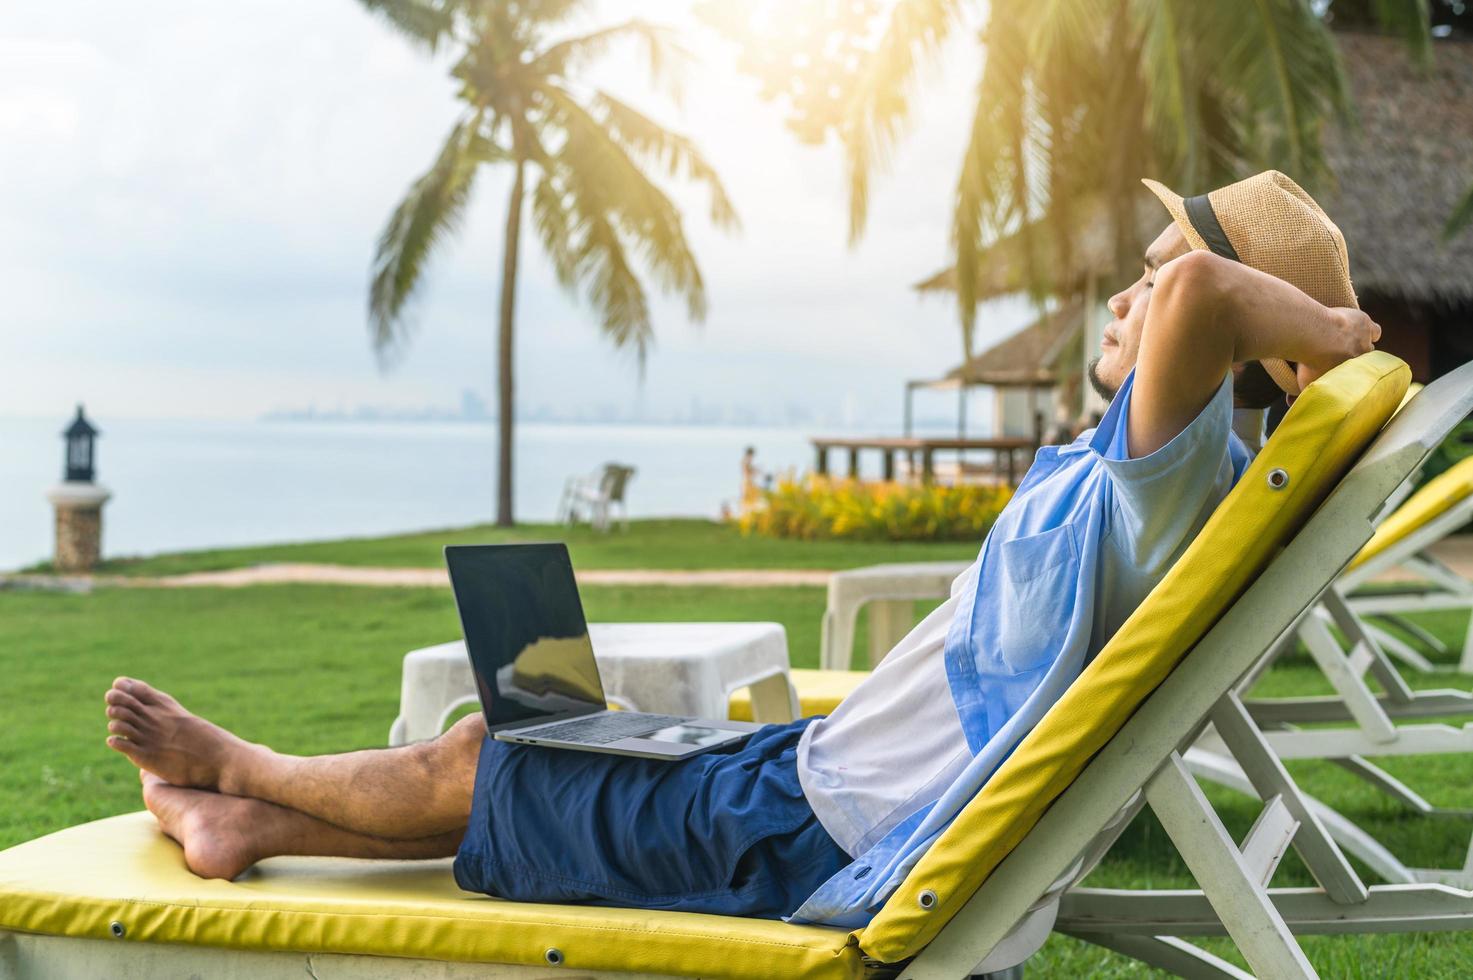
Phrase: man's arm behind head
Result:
[1206,314]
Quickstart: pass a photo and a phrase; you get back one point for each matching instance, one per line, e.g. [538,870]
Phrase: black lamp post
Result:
[78,500]
[81,437]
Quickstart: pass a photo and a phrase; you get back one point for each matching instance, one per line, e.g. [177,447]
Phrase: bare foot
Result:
[157,734]
[215,830]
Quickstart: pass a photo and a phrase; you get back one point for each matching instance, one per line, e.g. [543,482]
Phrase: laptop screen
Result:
[525,631]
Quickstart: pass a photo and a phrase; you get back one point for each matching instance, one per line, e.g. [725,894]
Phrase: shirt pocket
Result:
[1040,573]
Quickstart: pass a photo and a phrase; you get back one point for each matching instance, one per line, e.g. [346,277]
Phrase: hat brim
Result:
[1279,370]
[1174,204]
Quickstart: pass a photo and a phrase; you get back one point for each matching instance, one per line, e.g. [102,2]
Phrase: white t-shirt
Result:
[878,794]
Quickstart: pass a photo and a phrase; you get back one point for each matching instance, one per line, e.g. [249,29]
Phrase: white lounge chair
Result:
[1440,507]
[1357,724]
[987,892]
[890,591]
[594,497]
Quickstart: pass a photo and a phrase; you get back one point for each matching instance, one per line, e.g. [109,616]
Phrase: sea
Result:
[183,485]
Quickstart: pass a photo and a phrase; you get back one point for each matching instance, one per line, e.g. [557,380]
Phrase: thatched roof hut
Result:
[1032,357]
[1043,356]
[1003,266]
[1397,177]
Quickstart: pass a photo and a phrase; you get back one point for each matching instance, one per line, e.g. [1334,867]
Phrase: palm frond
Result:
[673,153]
[1063,27]
[665,58]
[556,227]
[983,206]
[1461,218]
[1412,21]
[1285,63]
[422,21]
[1167,56]
[546,11]
[614,206]
[429,213]
[1223,139]
[614,289]
[879,109]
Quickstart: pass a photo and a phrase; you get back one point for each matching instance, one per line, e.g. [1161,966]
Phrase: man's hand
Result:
[1351,333]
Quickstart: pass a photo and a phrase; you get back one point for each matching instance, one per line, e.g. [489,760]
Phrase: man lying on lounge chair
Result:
[792,822]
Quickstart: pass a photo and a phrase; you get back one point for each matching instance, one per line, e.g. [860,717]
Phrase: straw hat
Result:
[1268,222]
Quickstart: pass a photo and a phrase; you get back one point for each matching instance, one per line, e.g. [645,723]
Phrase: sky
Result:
[190,195]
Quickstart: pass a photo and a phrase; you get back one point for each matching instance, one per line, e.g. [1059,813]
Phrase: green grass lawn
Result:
[668,543]
[305,668]
[316,669]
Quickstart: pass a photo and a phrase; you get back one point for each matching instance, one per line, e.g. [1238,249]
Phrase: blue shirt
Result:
[1087,535]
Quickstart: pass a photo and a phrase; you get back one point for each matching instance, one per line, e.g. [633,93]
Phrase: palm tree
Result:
[589,160]
[1076,100]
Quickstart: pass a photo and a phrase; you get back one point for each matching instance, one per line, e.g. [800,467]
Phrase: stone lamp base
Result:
[78,524]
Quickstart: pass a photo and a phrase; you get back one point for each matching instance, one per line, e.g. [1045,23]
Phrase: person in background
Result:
[752,479]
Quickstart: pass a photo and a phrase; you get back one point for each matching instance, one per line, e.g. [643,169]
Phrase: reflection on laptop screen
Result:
[525,631]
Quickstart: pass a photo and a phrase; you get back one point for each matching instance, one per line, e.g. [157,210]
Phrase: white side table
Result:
[889,591]
[667,668]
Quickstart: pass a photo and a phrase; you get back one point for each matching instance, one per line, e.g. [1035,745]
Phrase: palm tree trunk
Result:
[505,391]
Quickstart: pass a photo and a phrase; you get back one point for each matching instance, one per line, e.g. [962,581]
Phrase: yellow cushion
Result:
[77,882]
[819,692]
[1436,497]
[1320,438]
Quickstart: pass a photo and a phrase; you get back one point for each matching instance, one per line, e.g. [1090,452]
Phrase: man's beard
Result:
[1101,387]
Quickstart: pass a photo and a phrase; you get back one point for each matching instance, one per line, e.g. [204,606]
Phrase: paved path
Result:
[1456,551]
[284,573]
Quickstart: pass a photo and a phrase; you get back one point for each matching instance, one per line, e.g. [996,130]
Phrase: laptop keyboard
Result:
[605,728]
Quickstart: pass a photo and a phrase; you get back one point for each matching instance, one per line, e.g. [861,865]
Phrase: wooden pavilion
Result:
[1030,363]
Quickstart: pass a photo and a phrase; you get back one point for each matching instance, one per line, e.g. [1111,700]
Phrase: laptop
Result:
[534,666]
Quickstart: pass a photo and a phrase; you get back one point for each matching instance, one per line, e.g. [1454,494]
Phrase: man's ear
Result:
[1252,387]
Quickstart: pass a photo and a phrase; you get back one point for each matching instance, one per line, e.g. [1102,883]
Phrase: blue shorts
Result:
[727,832]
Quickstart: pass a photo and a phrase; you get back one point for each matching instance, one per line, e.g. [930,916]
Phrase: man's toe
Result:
[137,689]
[150,695]
[121,698]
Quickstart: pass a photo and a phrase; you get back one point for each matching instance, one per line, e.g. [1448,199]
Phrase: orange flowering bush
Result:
[824,507]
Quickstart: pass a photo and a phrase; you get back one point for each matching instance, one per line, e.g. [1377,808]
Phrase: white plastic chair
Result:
[594,497]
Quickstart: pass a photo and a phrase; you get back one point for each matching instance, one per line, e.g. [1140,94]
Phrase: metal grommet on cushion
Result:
[117,930]
[554,956]
[1278,478]
[926,899]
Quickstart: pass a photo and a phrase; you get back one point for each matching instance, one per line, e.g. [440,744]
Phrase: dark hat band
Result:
[1204,220]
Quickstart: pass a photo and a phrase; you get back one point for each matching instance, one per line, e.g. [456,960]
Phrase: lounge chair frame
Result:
[1371,725]
[1376,729]
[1235,898]
[1445,589]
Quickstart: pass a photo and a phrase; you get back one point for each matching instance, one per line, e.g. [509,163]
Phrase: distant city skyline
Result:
[473,406]
[188,235]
